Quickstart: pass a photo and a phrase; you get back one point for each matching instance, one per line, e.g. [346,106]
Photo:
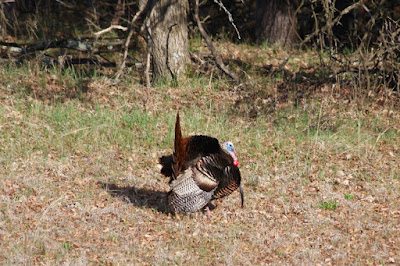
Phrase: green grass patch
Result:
[348,196]
[328,205]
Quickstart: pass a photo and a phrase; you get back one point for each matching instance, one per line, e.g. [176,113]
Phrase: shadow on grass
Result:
[141,197]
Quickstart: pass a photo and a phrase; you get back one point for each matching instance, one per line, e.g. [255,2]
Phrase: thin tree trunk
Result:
[167,26]
[276,21]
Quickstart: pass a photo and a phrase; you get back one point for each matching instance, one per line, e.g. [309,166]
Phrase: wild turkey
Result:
[200,171]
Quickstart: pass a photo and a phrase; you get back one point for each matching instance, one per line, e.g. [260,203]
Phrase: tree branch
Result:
[221,5]
[112,27]
[210,45]
[128,40]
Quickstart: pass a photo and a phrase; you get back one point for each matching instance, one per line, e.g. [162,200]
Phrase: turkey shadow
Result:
[140,197]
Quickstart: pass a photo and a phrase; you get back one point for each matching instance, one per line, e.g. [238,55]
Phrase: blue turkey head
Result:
[229,148]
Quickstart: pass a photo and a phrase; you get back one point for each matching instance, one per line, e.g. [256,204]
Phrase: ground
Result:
[80,182]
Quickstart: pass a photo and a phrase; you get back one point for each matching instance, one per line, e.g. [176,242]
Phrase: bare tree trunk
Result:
[166,25]
[276,21]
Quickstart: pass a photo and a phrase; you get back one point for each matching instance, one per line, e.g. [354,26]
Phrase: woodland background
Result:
[309,95]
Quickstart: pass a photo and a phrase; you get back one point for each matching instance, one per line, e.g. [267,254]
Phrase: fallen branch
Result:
[16,52]
[83,44]
[70,44]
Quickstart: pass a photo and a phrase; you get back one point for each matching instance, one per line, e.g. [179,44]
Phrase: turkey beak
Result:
[241,194]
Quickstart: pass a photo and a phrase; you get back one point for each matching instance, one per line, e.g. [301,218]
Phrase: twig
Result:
[112,27]
[377,139]
[52,205]
[73,132]
[128,40]
[197,58]
[229,16]
[65,4]
[210,45]
[334,22]
[317,31]
[76,8]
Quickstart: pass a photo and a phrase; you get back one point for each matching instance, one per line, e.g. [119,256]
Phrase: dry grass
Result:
[80,184]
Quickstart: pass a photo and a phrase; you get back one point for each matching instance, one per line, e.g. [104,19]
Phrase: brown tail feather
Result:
[178,135]
[179,146]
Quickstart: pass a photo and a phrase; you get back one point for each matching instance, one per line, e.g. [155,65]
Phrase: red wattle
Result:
[236,162]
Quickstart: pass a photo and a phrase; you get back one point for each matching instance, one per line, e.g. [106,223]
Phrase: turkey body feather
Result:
[200,171]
